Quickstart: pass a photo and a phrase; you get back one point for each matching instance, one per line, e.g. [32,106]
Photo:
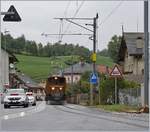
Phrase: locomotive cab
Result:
[55,90]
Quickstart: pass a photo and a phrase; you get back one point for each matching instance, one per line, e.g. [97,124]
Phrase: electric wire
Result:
[66,9]
[111,13]
[61,21]
[66,29]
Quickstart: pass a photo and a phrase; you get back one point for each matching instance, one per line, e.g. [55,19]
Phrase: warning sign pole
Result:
[115,90]
[115,73]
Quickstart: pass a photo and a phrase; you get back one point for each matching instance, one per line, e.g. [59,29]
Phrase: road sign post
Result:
[115,73]
[93,82]
[115,90]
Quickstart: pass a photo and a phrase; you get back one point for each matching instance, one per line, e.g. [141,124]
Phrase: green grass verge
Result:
[118,108]
[38,68]
[104,61]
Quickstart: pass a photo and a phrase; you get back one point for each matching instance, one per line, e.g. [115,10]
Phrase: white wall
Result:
[76,78]
[4,68]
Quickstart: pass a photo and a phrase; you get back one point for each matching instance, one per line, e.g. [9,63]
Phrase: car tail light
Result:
[29,94]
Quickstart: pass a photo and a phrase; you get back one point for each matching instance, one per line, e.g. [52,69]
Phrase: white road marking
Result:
[22,114]
[39,108]
[6,117]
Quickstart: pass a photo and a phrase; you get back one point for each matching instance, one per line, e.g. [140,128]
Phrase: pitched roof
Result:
[11,55]
[28,81]
[103,69]
[78,68]
[128,42]
[130,39]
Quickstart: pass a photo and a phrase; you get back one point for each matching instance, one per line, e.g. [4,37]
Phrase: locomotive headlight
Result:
[60,88]
[53,88]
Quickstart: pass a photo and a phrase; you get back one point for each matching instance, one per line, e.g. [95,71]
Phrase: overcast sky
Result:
[37,17]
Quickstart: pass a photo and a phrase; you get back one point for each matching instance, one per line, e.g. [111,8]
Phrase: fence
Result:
[130,96]
[79,99]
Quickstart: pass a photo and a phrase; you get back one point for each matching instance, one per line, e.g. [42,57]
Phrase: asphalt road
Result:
[69,117]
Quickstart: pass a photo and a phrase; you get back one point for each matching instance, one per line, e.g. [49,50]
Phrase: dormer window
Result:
[139,43]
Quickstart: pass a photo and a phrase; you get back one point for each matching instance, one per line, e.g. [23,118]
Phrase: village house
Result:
[74,72]
[102,69]
[7,65]
[25,82]
[131,56]
[131,59]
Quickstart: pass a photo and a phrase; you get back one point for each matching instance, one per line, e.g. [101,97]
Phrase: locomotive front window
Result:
[56,80]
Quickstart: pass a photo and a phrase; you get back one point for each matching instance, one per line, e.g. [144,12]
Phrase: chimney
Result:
[139,43]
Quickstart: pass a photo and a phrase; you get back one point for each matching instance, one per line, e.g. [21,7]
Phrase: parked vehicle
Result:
[15,97]
[31,97]
[55,90]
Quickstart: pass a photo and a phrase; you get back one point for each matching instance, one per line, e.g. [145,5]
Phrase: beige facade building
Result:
[74,72]
[131,59]
[131,56]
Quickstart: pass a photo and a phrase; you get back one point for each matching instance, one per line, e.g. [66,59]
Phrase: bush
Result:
[107,88]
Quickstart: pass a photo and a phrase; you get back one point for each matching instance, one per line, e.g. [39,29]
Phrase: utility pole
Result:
[93,86]
[146,55]
[94,41]
[94,38]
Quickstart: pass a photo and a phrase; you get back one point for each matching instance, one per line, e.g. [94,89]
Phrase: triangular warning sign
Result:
[116,71]
[12,17]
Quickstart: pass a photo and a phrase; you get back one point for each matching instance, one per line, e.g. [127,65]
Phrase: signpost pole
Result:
[91,95]
[115,73]
[115,90]
[99,99]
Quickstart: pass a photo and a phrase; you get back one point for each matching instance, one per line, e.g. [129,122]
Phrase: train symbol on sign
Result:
[116,71]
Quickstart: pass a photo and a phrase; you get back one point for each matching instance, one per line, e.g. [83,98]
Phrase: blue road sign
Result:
[93,78]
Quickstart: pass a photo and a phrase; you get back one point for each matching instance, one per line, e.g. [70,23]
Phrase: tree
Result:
[21,43]
[34,48]
[22,46]
[103,52]
[113,47]
[107,88]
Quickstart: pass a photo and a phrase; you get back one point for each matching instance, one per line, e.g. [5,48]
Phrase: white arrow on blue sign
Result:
[93,78]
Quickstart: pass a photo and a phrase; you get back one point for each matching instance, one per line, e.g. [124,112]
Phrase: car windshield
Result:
[19,91]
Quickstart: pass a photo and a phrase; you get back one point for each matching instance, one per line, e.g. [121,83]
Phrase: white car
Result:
[31,98]
[15,97]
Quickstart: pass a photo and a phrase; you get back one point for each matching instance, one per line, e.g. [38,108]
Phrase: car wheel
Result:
[6,106]
[34,104]
[26,105]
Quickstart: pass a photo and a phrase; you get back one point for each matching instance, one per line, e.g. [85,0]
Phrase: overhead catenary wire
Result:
[66,9]
[112,12]
[66,29]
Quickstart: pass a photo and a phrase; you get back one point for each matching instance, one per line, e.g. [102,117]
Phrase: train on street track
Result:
[55,90]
